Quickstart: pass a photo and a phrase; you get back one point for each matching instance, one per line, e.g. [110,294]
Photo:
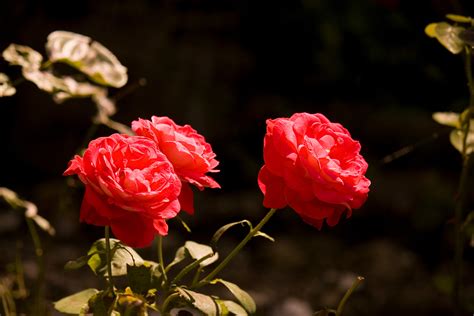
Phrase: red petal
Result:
[134,230]
[272,188]
[186,198]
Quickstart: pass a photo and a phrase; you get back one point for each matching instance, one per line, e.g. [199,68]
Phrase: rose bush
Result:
[314,166]
[130,186]
[192,157]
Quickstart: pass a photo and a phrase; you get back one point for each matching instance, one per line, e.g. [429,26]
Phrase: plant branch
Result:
[108,259]
[348,294]
[236,250]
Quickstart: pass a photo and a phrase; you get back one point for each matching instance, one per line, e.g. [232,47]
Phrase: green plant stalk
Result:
[38,304]
[236,250]
[189,268]
[160,258]
[108,259]
[462,190]
[348,294]
[167,301]
[196,277]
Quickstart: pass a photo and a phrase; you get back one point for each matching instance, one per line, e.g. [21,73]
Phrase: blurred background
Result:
[224,67]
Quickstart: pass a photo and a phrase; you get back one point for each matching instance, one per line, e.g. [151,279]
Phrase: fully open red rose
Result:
[130,186]
[192,157]
[314,166]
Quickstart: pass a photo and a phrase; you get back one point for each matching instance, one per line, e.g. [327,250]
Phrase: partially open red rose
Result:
[130,186]
[192,157]
[314,166]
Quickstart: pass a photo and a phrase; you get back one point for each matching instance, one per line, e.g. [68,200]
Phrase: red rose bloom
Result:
[314,166]
[192,157]
[130,186]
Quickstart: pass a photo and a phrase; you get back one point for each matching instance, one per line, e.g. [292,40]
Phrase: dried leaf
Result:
[6,87]
[24,56]
[447,35]
[89,57]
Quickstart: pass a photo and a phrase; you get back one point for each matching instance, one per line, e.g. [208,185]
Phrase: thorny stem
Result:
[108,259]
[348,294]
[236,250]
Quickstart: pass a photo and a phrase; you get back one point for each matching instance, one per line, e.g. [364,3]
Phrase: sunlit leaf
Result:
[89,57]
[24,56]
[31,210]
[231,307]
[63,88]
[45,80]
[204,303]
[457,138]
[6,87]
[199,251]
[243,297]
[121,257]
[105,105]
[76,303]
[447,35]
[459,18]
[72,88]
[447,118]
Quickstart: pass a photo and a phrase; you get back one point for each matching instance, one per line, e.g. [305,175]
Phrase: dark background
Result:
[225,67]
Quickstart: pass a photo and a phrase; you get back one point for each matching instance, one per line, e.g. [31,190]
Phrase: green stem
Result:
[167,301]
[236,250]
[189,268]
[459,237]
[38,308]
[108,259]
[348,294]
[462,190]
[160,258]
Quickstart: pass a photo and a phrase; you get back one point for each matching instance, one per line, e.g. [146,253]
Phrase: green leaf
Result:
[231,308]
[6,87]
[218,234]
[198,251]
[447,118]
[77,263]
[243,297]
[459,18]
[23,56]
[447,35]
[140,278]
[457,138]
[87,56]
[121,257]
[76,303]
[204,303]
